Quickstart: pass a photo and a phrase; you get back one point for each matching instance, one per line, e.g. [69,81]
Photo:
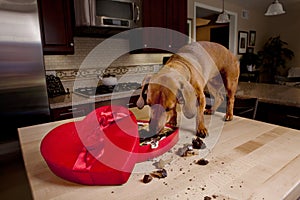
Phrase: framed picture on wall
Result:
[189,29]
[252,38]
[243,42]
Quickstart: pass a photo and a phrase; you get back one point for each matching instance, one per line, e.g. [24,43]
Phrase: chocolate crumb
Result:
[147,178]
[214,196]
[162,173]
[202,161]
[207,198]
[198,143]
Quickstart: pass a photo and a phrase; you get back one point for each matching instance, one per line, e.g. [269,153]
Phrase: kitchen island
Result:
[248,159]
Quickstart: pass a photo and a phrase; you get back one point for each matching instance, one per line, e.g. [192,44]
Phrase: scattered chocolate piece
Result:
[198,143]
[187,151]
[162,173]
[214,196]
[207,198]
[202,161]
[162,163]
[147,178]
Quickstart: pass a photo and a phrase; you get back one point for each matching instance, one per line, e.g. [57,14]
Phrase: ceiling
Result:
[253,4]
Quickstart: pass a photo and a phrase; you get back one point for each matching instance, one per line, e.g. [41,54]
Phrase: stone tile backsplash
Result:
[127,67]
[84,47]
[88,77]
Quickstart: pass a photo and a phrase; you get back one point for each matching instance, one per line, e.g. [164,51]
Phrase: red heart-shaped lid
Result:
[99,150]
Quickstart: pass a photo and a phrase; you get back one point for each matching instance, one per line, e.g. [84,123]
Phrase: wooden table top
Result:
[247,160]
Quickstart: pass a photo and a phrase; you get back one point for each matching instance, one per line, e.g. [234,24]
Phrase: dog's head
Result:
[162,92]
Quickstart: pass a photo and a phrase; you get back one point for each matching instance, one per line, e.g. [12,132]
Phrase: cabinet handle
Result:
[71,44]
[72,109]
[130,104]
[292,116]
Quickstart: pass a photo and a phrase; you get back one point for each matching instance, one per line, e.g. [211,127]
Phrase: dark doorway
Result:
[220,35]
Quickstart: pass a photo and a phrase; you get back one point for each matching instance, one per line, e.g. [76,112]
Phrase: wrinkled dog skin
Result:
[182,80]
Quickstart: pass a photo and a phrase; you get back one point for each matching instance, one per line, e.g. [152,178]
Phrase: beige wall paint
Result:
[287,25]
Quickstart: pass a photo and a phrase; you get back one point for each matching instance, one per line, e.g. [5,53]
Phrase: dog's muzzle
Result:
[157,119]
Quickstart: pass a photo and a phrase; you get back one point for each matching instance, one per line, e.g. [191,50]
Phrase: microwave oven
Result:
[108,13]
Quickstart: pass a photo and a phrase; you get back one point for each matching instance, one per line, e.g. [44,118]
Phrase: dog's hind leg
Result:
[216,89]
[231,87]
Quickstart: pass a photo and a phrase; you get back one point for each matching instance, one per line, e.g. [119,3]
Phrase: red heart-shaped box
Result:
[102,149]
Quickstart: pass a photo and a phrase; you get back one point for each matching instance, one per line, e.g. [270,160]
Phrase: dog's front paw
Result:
[228,117]
[173,124]
[209,112]
[202,133]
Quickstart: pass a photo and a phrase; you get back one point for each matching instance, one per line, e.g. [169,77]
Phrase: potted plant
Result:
[249,61]
[274,56]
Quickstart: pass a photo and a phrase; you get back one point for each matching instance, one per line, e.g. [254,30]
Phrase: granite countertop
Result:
[269,93]
[75,99]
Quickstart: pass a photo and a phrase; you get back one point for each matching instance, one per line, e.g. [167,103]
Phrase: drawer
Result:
[126,102]
[288,116]
[70,112]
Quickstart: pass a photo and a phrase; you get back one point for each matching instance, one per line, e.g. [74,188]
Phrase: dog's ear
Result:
[143,95]
[186,96]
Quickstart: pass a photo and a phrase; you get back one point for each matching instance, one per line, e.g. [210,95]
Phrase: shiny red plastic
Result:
[102,149]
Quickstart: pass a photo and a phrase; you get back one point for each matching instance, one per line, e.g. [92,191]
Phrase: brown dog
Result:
[183,79]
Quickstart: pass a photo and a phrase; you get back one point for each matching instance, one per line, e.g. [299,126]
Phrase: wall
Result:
[287,25]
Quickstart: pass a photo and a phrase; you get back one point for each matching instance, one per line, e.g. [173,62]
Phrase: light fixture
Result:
[223,16]
[275,8]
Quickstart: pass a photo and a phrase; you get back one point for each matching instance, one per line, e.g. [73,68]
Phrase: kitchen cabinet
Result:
[128,102]
[70,112]
[168,14]
[56,23]
[283,115]
[245,107]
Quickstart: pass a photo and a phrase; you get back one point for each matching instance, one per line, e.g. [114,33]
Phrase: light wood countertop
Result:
[247,160]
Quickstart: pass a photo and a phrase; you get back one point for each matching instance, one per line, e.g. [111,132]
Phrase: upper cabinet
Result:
[168,14]
[56,23]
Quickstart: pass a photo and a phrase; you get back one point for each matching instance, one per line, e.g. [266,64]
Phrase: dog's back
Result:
[208,59]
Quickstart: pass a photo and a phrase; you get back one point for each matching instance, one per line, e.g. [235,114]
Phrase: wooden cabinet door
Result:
[70,112]
[177,21]
[128,102]
[56,23]
[168,14]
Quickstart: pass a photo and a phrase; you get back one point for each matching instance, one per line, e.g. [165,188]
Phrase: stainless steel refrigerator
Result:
[23,91]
